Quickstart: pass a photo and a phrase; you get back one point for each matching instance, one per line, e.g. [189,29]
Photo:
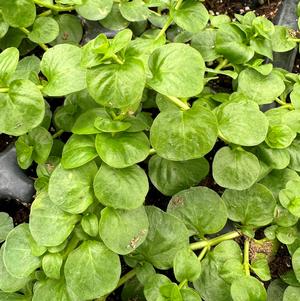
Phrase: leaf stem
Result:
[27,32]
[222,64]
[53,6]
[284,104]
[4,90]
[246,257]
[179,103]
[182,284]
[152,151]
[57,134]
[178,4]
[46,13]
[165,27]
[117,59]
[203,252]
[74,241]
[214,241]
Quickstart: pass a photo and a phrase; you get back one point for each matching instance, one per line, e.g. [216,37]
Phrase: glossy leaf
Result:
[124,188]
[92,270]
[200,208]
[130,228]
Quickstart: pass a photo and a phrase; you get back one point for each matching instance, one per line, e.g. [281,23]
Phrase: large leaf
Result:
[92,270]
[130,228]
[170,177]
[191,16]
[117,85]
[235,168]
[124,188]
[71,190]
[49,225]
[167,234]
[44,30]
[94,9]
[61,66]
[17,256]
[242,123]
[177,70]
[252,207]
[78,151]
[9,283]
[200,208]
[18,13]
[9,59]
[122,149]
[22,108]
[260,88]
[6,225]
[184,135]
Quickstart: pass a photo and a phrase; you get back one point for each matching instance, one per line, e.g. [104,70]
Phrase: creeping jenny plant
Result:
[138,112]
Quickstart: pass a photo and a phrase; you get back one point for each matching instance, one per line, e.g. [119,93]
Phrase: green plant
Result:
[144,97]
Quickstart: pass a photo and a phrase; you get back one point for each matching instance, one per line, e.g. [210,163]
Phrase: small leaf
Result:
[51,264]
[6,225]
[124,188]
[130,229]
[92,270]
[94,9]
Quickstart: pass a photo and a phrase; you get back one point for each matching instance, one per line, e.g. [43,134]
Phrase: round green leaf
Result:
[9,283]
[242,123]
[280,136]
[290,197]
[51,289]
[61,66]
[134,11]
[294,152]
[6,225]
[292,293]
[84,124]
[90,224]
[22,108]
[18,13]
[114,20]
[9,59]
[163,242]
[200,208]
[49,225]
[186,265]
[252,207]
[177,70]
[192,16]
[94,9]
[71,190]
[17,255]
[124,188]
[231,42]
[248,288]
[78,151]
[292,119]
[235,168]
[123,149]
[204,41]
[130,229]
[170,177]
[108,125]
[262,89]
[51,264]
[116,85]
[184,135]
[92,270]
[44,30]
[70,29]
[281,39]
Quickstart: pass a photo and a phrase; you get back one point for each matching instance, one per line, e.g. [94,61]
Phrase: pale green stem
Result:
[45,13]
[4,90]
[246,257]
[222,64]
[178,102]
[57,134]
[203,252]
[178,4]
[165,27]
[284,104]
[214,241]
[152,151]
[27,32]
[53,6]
[117,59]
[182,284]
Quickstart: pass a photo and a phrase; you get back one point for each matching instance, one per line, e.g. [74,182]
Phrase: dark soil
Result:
[269,8]
[5,140]
[17,210]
